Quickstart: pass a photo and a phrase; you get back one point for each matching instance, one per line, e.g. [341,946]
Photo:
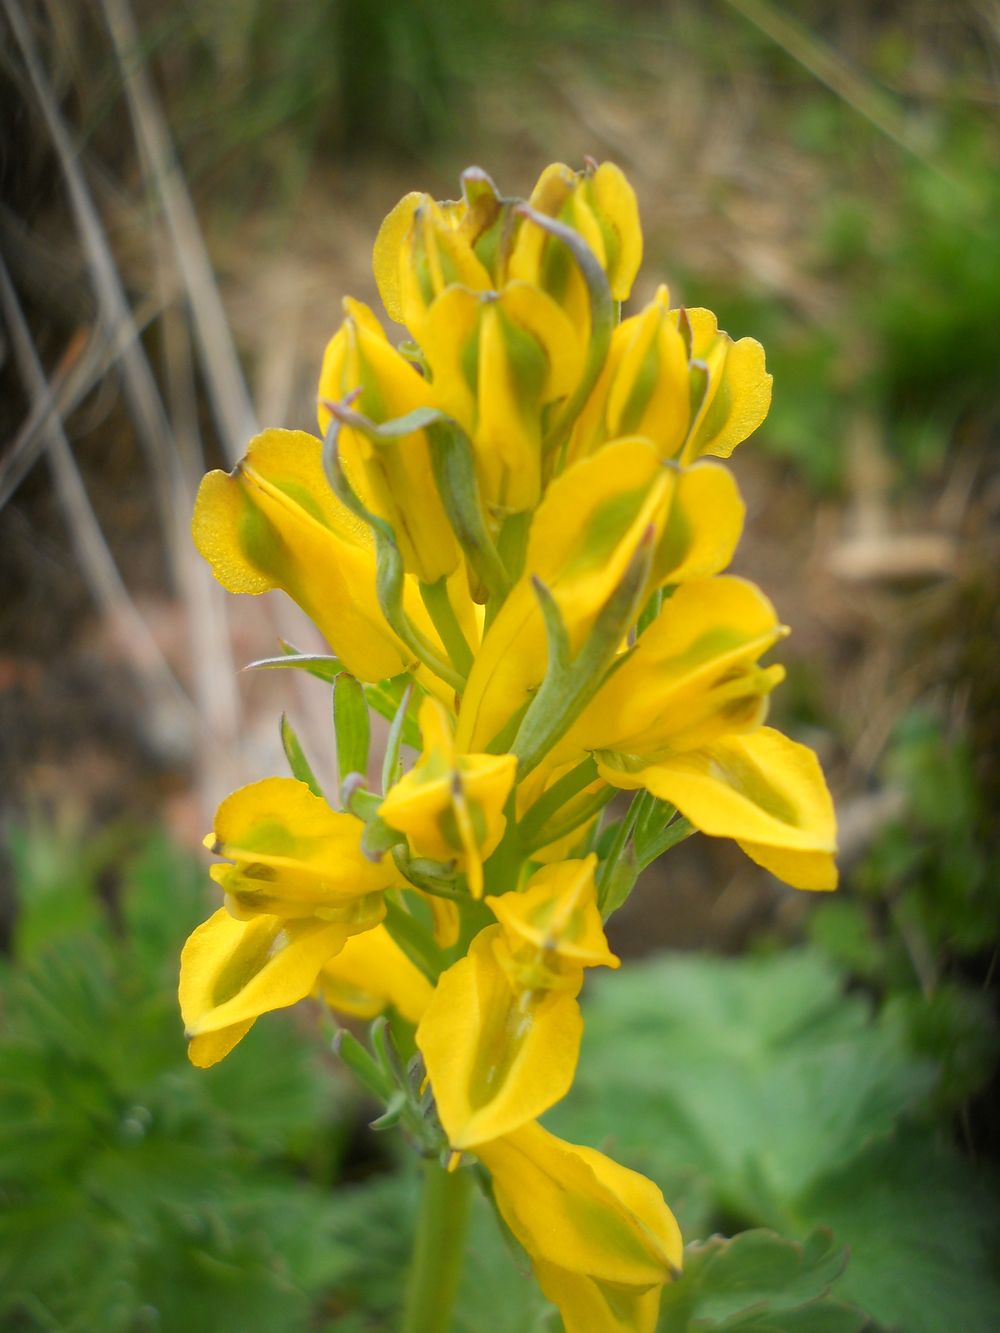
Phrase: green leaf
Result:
[923,1226]
[296,757]
[316,664]
[756,1073]
[352,728]
[759,1281]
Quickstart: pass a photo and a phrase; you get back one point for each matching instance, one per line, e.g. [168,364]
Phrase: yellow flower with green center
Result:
[501,1035]
[394,476]
[290,854]
[600,1237]
[584,535]
[450,805]
[676,378]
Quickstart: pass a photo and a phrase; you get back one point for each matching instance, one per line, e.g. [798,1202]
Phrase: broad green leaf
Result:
[758,1074]
[923,1226]
[760,1281]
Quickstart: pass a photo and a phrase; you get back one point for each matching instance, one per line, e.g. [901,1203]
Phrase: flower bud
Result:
[600,205]
[450,805]
[393,476]
[600,1237]
[499,362]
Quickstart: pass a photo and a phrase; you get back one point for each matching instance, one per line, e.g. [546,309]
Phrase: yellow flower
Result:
[584,535]
[234,971]
[676,378]
[450,804]
[600,205]
[394,476]
[292,856]
[600,1237]
[371,973]
[682,718]
[692,676]
[274,522]
[501,1034]
[421,249]
[762,789]
[498,362]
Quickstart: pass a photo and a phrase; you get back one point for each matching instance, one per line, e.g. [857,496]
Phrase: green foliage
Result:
[758,1094]
[761,1282]
[926,898]
[138,1192]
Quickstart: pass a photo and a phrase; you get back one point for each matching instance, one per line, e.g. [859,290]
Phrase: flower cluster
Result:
[513,533]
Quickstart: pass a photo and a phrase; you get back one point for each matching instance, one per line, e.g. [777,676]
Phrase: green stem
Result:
[437,1250]
[442,613]
[622,834]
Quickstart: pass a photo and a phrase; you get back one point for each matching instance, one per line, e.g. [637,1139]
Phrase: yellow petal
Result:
[234,971]
[435,255]
[692,675]
[497,361]
[394,476]
[556,913]
[617,211]
[387,251]
[583,536]
[292,854]
[762,789]
[371,973]
[451,805]
[495,1058]
[649,393]
[739,389]
[577,1209]
[273,522]
[589,1306]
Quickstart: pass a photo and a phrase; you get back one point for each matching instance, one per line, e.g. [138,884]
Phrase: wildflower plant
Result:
[513,532]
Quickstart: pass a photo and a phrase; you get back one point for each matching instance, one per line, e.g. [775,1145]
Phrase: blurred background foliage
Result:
[823,175]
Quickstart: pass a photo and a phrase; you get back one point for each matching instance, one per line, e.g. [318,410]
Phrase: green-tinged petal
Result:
[386,253]
[435,254]
[577,1209]
[739,388]
[450,805]
[371,973]
[589,1306]
[394,476]
[617,211]
[583,537]
[703,526]
[273,522]
[292,855]
[497,361]
[496,1058]
[556,915]
[762,789]
[649,393]
[234,971]
[692,676]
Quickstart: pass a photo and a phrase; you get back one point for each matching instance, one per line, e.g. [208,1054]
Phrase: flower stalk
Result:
[514,534]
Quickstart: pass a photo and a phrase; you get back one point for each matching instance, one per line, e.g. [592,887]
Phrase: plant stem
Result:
[437,1250]
[442,613]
